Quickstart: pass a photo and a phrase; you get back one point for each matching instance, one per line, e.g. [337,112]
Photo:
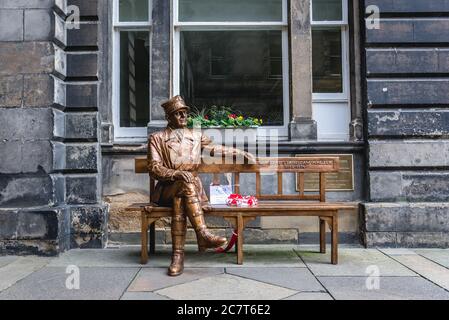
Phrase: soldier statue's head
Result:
[176,112]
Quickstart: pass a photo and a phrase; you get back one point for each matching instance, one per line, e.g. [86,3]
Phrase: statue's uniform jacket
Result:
[174,150]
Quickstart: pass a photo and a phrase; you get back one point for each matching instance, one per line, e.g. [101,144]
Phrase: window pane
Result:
[230,10]
[133,10]
[237,69]
[134,78]
[327,60]
[327,10]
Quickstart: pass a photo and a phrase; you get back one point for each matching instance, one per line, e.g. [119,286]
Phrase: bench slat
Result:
[290,164]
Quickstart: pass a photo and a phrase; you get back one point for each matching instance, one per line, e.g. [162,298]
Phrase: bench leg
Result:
[322,235]
[334,252]
[240,227]
[153,238]
[144,239]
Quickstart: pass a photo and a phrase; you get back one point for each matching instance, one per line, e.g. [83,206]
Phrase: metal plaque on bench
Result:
[335,181]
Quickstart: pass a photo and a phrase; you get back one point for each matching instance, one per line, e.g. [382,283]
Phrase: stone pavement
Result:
[269,273]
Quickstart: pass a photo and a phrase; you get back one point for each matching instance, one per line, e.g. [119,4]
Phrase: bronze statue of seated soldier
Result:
[174,155]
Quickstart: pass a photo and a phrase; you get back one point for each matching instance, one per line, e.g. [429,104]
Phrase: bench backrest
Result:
[299,165]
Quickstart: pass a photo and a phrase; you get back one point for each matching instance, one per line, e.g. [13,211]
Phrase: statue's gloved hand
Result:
[184,175]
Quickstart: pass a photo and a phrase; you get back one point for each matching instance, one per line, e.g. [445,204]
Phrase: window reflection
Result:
[134,79]
[327,60]
[237,69]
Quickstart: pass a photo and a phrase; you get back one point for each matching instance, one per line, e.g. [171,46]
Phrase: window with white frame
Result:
[131,76]
[233,53]
[330,68]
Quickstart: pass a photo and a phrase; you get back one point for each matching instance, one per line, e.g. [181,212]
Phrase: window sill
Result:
[285,147]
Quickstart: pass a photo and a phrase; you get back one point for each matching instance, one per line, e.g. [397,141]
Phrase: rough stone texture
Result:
[81,96]
[38,90]
[406,101]
[423,239]
[76,126]
[25,124]
[11,88]
[125,182]
[412,153]
[303,130]
[120,219]
[413,186]
[82,65]
[271,236]
[407,239]
[380,239]
[29,225]
[88,220]
[11,24]
[411,123]
[26,4]
[22,191]
[407,217]
[27,157]
[41,18]
[26,57]
[76,157]
[81,189]
[31,247]
[42,147]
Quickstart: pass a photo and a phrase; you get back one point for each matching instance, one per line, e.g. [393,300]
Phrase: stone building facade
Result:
[67,147]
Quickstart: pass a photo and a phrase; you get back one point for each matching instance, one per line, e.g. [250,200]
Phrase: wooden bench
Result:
[279,204]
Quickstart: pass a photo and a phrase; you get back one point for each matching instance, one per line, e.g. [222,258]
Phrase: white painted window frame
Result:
[128,134]
[343,24]
[282,26]
[335,101]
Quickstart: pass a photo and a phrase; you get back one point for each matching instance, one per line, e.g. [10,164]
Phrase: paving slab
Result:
[129,256]
[299,279]
[310,296]
[226,287]
[142,296]
[390,288]
[49,283]
[151,279]
[440,256]
[426,268]
[254,255]
[19,268]
[353,262]
[4,260]
[397,252]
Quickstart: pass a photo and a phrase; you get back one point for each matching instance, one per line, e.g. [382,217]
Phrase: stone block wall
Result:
[407,97]
[50,189]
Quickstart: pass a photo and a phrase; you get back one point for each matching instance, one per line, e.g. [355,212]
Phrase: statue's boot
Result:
[205,238]
[178,233]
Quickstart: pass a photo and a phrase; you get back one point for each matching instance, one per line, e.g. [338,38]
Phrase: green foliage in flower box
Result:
[221,117]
